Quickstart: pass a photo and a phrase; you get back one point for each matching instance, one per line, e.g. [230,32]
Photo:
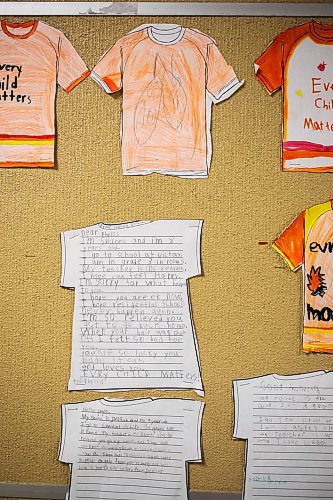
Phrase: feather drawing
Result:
[165,88]
[174,97]
[147,111]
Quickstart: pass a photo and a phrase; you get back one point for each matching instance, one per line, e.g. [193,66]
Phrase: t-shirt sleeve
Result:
[193,248]
[69,259]
[290,244]
[71,68]
[221,80]
[108,71]
[242,391]
[69,426]
[269,66]
[193,411]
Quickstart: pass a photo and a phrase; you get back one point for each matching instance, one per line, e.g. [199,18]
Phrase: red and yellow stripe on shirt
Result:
[22,150]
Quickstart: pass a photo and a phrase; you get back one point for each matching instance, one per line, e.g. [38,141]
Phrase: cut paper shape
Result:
[132,323]
[287,423]
[34,58]
[170,75]
[130,449]
[297,58]
[308,243]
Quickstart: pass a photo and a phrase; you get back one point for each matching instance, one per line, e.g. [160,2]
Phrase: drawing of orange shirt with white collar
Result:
[308,243]
[300,61]
[169,75]
[34,58]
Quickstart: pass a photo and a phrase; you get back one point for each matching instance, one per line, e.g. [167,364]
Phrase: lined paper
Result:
[134,449]
[132,322]
[290,435]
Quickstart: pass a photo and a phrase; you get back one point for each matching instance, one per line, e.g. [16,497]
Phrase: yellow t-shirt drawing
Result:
[308,243]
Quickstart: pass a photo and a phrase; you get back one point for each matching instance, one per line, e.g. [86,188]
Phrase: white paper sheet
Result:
[288,422]
[132,323]
[130,449]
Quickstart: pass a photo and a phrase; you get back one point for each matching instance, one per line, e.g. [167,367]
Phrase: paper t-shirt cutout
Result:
[308,243]
[132,323]
[34,58]
[169,76]
[130,449]
[287,422]
[299,61]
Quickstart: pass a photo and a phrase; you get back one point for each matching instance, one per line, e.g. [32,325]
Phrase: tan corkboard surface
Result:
[246,306]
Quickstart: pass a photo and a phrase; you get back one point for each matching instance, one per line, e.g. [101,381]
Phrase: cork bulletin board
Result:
[246,306]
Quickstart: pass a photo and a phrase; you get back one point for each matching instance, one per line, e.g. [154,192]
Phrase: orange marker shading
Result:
[34,58]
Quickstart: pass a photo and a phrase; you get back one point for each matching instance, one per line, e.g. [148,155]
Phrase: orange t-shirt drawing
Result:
[34,57]
[308,243]
[299,60]
[169,75]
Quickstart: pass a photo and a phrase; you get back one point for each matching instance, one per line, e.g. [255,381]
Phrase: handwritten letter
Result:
[132,321]
[133,450]
[288,422]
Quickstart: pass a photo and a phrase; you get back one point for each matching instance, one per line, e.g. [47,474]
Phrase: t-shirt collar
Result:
[156,33]
[321,33]
[7,24]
